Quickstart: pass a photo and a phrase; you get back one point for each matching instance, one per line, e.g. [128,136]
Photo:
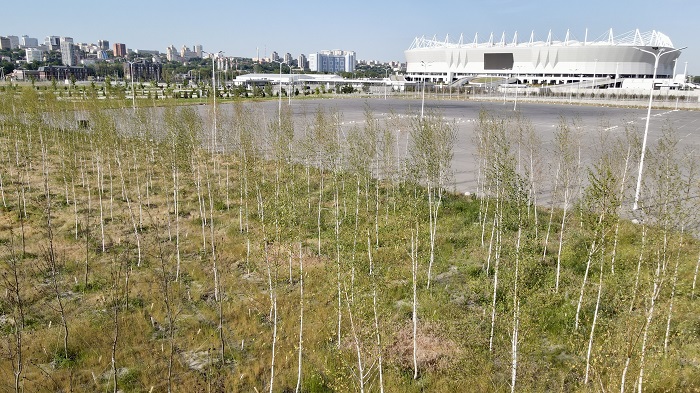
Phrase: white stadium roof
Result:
[631,38]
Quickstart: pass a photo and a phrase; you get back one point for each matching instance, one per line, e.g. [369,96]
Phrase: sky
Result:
[375,30]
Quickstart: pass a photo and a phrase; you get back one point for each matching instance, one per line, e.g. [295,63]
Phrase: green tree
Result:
[7,67]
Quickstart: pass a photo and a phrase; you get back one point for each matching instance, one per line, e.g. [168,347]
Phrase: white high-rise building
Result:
[172,54]
[332,61]
[52,42]
[34,54]
[302,62]
[28,42]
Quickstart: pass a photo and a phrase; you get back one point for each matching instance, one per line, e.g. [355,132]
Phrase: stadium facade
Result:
[609,61]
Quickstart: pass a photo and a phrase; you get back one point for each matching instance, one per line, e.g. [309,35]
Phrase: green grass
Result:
[454,314]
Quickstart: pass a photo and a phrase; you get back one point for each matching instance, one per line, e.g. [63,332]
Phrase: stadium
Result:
[625,61]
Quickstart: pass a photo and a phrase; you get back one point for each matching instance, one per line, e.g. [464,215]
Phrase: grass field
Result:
[149,261]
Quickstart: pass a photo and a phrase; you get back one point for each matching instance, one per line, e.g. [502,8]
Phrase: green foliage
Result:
[63,358]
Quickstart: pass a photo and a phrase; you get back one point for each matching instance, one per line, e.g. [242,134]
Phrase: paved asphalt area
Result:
[545,118]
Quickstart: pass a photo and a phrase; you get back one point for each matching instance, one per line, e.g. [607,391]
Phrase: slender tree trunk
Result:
[100,179]
[414,270]
[488,258]
[13,283]
[695,277]
[301,317]
[337,260]
[358,349]
[673,294]
[595,314]
[131,212]
[376,317]
[639,267]
[176,208]
[631,310]
[551,214]
[656,290]
[516,317]
[583,284]
[115,333]
[87,234]
[2,192]
[620,201]
[561,237]
[495,285]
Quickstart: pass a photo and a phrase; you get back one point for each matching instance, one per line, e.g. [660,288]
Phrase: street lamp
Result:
[133,92]
[291,85]
[213,87]
[279,94]
[595,65]
[515,106]
[570,89]
[422,104]
[685,73]
[656,55]
[386,72]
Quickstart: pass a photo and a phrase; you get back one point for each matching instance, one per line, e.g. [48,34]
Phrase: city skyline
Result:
[375,31]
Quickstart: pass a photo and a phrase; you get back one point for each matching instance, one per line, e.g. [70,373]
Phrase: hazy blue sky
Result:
[376,30]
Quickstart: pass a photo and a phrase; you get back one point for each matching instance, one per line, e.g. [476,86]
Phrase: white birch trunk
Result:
[301,317]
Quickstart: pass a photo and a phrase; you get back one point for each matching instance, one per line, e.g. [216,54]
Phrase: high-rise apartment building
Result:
[52,42]
[14,41]
[171,53]
[5,43]
[69,54]
[332,61]
[34,54]
[119,50]
[302,62]
[103,45]
[28,42]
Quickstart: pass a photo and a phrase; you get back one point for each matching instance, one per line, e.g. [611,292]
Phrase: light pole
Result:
[675,63]
[291,84]
[422,103]
[656,55]
[133,92]
[279,94]
[213,87]
[595,65]
[386,71]
[685,78]
[570,89]
[517,85]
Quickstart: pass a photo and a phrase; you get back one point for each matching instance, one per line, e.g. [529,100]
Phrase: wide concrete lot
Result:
[593,120]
